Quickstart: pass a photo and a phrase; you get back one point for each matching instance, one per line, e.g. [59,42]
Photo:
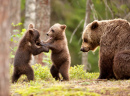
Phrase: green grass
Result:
[80,84]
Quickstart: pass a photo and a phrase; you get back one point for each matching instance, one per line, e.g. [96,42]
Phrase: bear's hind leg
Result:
[15,77]
[29,73]
[64,70]
[55,72]
[121,67]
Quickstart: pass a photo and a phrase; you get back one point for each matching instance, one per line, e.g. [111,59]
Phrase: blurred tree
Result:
[42,22]
[23,6]
[30,13]
[120,8]
[15,19]
[87,21]
[4,46]
[15,13]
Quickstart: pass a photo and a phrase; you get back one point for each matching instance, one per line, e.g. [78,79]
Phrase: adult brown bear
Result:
[113,37]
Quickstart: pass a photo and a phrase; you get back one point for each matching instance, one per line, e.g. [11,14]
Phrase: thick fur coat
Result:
[113,37]
[26,48]
[60,55]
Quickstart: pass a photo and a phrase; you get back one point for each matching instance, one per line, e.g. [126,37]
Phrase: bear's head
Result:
[56,32]
[33,35]
[91,36]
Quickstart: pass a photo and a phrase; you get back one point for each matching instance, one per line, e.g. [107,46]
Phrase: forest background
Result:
[69,12]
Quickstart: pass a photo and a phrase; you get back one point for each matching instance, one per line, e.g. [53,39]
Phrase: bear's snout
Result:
[47,34]
[81,49]
[84,49]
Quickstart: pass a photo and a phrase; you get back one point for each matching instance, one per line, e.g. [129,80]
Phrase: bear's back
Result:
[116,36]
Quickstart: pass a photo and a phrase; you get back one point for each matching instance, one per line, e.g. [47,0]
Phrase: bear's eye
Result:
[85,40]
[52,30]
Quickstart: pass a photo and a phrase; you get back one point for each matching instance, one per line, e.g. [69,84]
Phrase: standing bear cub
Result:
[113,37]
[26,48]
[60,56]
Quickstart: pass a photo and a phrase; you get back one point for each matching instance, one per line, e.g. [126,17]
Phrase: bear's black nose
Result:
[82,49]
[47,34]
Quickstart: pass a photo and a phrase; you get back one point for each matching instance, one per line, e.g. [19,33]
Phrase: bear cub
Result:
[27,47]
[60,55]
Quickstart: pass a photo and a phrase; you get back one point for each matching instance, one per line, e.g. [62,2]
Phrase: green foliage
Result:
[15,38]
[23,12]
[77,72]
[41,72]
[92,76]
[22,5]
[100,11]
[119,9]
[18,35]
[11,55]
[11,69]
[47,59]
[16,24]
[53,90]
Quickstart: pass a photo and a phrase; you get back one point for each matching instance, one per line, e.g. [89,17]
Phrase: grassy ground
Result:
[80,84]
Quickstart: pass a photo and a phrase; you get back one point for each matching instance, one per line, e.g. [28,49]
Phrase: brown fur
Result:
[113,37]
[60,53]
[26,48]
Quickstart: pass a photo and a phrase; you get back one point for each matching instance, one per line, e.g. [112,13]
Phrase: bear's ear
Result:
[63,27]
[94,25]
[31,32]
[30,26]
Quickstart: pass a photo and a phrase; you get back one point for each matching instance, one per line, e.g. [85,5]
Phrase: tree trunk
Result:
[42,21]
[4,46]
[87,20]
[15,19]
[15,13]
[30,15]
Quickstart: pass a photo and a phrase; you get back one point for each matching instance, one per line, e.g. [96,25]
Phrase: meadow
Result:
[80,84]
